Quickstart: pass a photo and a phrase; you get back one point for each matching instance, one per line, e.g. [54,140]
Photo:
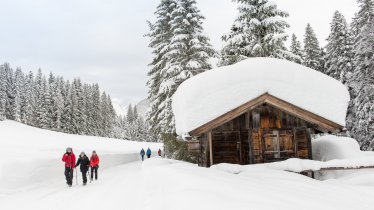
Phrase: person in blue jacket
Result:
[142,153]
[149,152]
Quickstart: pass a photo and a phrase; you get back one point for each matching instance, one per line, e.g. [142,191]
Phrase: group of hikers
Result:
[148,153]
[85,164]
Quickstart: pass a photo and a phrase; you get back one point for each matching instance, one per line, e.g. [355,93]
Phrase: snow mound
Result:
[329,152]
[345,152]
[331,147]
[210,94]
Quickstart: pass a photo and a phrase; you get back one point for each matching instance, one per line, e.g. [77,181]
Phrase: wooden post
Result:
[250,152]
[240,149]
[309,136]
[295,142]
[210,147]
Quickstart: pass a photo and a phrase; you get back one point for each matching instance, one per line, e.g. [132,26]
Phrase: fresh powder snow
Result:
[31,177]
[213,93]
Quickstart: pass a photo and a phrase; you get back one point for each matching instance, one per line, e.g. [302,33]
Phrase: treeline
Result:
[133,127]
[53,103]
[181,50]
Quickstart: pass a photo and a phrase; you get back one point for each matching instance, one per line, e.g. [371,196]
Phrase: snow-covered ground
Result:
[156,183]
[31,155]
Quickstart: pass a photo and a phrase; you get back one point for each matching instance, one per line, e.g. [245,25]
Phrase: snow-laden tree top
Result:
[216,92]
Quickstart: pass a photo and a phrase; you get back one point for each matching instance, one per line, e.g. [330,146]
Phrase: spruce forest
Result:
[74,107]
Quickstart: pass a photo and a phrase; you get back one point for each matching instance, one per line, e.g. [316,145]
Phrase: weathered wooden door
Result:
[226,147]
[245,147]
[303,143]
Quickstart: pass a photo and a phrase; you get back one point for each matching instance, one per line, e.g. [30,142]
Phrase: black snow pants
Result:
[148,156]
[94,170]
[69,175]
[84,176]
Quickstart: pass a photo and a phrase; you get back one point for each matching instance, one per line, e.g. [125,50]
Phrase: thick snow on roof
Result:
[210,94]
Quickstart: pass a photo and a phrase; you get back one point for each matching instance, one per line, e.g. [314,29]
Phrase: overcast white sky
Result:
[102,40]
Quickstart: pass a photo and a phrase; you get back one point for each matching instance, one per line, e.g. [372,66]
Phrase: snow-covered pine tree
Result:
[363,127]
[297,50]
[39,92]
[10,106]
[111,117]
[322,60]
[189,53]
[184,53]
[339,50]
[51,84]
[363,77]
[3,95]
[96,111]
[45,117]
[57,101]
[312,50]
[130,114]
[105,114]
[142,130]
[19,83]
[66,122]
[354,28]
[87,93]
[258,31]
[117,129]
[131,126]
[160,37]
[135,113]
[28,106]
[77,112]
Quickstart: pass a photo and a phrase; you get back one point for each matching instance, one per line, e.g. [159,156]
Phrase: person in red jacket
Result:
[69,159]
[94,163]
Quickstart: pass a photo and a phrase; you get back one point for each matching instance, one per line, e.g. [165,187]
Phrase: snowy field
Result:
[32,178]
[31,156]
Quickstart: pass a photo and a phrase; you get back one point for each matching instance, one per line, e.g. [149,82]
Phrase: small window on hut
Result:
[278,144]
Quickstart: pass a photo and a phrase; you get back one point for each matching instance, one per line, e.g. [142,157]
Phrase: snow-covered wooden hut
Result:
[258,110]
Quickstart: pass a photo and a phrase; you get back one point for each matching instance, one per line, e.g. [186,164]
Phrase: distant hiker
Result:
[159,152]
[84,163]
[149,153]
[142,153]
[94,163]
[69,159]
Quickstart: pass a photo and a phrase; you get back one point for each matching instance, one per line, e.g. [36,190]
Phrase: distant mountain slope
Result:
[118,107]
[143,107]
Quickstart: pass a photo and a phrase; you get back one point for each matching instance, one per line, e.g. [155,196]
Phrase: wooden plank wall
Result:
[203,157]
[241,141]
